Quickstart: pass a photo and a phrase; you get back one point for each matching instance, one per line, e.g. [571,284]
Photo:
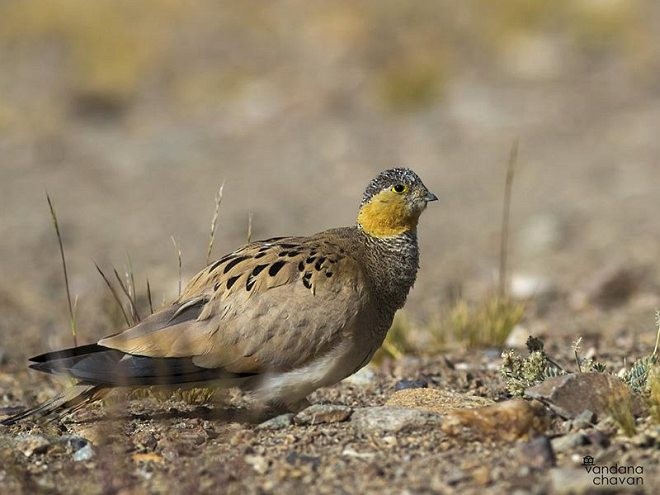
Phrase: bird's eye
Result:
[399,188]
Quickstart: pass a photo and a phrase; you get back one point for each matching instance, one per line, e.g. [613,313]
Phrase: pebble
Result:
[29,444]
[509,420]
[349,452]
[584,420]
[435,400]
[74,442]
[598,438]
[405,384]
[84,454]
[528,287]
[277,423]
[569,395]
[317,414]
[258,462]
[386,419]
[145,440]
[576,481]
[537,453]
[567,443]
[294,458]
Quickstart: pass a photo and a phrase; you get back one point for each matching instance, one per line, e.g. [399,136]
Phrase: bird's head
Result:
[393,202]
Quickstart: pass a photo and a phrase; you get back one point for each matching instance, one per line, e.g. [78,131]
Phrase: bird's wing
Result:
[273,304]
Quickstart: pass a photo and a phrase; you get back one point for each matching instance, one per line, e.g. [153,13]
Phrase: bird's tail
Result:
[65,403]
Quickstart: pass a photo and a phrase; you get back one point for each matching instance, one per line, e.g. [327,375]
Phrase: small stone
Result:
[317,414]
[386,419]
[74,442]
[147,457]
[145,440]
[84,454]
[481,475]
[404,384]
[258,462]
[564,481]
[93,434]
[277,423]
[537,453]
[528,287]
[455,476]
[435,400]
[584,420]
[296,459]
[569,395]
[362,378]
[29,444]
[349,452]
[508,420]
[567,443]
[597,438]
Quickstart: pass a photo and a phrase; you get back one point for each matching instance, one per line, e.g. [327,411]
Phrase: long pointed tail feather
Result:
[63,404]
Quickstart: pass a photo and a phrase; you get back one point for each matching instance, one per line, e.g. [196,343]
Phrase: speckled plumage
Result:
[277,318]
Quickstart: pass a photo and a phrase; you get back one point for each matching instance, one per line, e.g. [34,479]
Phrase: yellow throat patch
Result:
[387,215]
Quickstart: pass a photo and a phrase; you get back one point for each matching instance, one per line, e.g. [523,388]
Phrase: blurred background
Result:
[131,115]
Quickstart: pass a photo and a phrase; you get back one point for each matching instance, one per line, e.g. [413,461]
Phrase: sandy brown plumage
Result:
[277,318]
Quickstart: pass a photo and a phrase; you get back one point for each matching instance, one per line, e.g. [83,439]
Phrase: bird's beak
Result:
[430,197]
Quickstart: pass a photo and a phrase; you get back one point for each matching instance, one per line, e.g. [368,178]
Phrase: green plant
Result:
[637,377]
[521,373]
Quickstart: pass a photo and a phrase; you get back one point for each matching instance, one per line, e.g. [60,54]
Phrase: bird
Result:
[277,318]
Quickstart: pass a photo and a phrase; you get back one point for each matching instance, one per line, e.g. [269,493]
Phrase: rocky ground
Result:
[132,117]
[417,425]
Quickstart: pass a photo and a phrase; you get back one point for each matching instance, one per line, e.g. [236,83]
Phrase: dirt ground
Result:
[132,117]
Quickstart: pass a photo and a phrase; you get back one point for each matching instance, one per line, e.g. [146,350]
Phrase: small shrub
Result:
[521,373]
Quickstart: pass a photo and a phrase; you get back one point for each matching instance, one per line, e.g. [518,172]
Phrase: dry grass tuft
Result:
[398,342]
[654,394]
[486,324]
[620,409]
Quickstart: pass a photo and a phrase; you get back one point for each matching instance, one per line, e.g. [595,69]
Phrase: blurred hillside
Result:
[131,114]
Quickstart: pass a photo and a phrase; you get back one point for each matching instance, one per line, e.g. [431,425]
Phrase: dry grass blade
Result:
[506,216]
[576,349]
[72,316]
[130,277]
[151,304]
[249,229]
[657,334]
[178,253]
[214,221]
[114,293]
[131,302]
